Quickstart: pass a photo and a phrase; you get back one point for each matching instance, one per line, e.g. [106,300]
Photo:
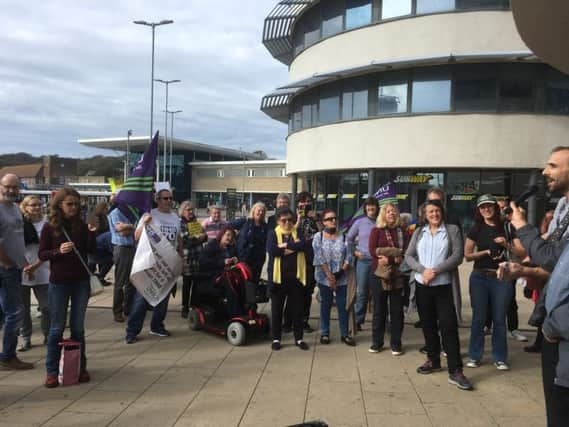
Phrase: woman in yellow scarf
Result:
[287,276]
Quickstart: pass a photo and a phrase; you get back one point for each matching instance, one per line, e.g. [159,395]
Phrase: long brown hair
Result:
[56,217]
[496,218]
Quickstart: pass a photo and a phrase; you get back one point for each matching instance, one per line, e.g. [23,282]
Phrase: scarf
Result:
[300,259]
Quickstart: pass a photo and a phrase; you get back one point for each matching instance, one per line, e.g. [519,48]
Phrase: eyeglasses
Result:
[332,218]
[286,220]
[166,198]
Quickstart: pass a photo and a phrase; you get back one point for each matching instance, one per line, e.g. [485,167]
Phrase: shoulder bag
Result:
[94,282]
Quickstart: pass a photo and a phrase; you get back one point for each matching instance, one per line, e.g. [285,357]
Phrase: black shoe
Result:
[287,329]
[375,348]
[307,328]
[302,345]
[429,367]
[359,327]
[348,341]
[423,350]
[324,339]
[532,348]
[276,346]
[418,324]
[130,339]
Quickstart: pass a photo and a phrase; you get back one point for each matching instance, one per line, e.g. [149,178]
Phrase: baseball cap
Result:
[484,199]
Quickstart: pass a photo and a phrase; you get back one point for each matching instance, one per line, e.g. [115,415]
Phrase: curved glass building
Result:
[416,92]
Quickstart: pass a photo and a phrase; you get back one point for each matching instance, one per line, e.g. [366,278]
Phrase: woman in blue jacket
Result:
[252,240]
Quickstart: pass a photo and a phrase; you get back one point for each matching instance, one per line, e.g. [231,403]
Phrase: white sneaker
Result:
[517,335]
[473,363]
[501,366]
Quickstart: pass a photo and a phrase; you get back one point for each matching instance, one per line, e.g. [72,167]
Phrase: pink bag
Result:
[69,362]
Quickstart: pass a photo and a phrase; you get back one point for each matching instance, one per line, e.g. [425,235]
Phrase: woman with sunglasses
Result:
[36,273]
[63,240]
[434,254]
[331,260]
[286,272]
[387,244]
[486,245]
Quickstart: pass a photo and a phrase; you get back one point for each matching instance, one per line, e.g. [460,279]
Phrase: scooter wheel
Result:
[236,333]
[194,320]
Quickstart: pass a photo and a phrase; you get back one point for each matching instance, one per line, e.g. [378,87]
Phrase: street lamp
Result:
[166,83]
[172,138]
[126,164]
[153,25]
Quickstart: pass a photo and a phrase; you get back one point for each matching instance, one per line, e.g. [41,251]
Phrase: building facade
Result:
[416,92]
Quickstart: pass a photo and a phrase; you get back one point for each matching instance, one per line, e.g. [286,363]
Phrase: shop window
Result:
[358,13]
[332,18]
[329,104]
[495,182]
[395,8]
[431,6]
[431,91]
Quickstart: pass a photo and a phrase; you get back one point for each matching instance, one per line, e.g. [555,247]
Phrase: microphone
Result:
[526,194]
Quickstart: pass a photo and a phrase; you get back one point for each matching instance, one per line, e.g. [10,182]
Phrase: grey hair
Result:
[255,206]
[184,205]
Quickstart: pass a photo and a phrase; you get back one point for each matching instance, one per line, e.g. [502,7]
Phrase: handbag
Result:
[94,282]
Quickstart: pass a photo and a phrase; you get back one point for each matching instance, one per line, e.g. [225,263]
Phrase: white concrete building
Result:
[418,92]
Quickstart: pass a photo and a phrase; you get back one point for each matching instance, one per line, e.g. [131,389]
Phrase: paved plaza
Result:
[197,379]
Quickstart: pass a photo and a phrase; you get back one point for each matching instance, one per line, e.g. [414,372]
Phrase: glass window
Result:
[312,26]
[309,109]
[299,37]
[482,4]
[431,6]
[355,99]
[516,87]
[495,182]
[329,105]
[395,8]
[431,91]
[392,95]
[556,92]
[475,88]
[358,13]
[296,120]
[332,18]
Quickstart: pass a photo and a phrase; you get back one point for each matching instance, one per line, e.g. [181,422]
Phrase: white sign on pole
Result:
[156,266]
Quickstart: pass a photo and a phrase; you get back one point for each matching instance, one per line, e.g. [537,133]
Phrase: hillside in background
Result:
[107,166]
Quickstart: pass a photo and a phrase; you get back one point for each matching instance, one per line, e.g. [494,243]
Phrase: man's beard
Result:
[11,197]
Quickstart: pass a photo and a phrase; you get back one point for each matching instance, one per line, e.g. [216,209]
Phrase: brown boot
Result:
[15,364]
[51,381]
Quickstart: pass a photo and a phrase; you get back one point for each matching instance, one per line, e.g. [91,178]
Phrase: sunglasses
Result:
[286,220]
[332,218]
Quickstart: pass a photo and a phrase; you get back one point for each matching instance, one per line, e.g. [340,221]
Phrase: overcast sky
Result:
[81,69]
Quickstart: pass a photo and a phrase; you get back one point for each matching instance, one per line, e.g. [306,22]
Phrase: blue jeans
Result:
[326,298]
[58,296]
[363,275]
[13,309]
[485,292]
[138,313]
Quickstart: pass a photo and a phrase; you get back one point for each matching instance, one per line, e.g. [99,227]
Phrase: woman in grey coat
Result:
[434,254]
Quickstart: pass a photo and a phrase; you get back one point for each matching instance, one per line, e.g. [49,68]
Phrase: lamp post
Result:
[153,25]
[166,83]
[171,139]
[127,154]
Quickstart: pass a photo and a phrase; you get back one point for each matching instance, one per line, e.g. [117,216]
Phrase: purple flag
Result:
[384,194]
[135,197]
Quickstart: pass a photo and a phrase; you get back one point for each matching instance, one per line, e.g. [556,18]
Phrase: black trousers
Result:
[307,300]
[556,398]
[437,313]
[294,293]
[186,289]
[124,291]
[380,307]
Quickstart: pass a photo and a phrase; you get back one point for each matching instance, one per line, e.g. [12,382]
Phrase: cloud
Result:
[73,70]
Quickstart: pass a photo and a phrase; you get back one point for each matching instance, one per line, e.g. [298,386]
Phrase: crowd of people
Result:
[382,260]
